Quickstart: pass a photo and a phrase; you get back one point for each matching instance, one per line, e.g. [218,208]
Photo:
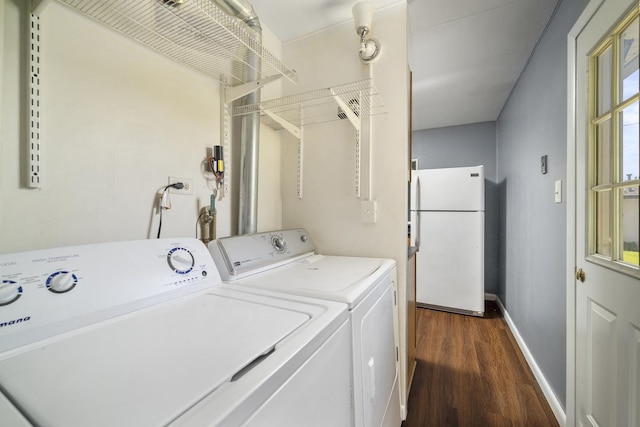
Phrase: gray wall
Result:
[467,145]
[532,225]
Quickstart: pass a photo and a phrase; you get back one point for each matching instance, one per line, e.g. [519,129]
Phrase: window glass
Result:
[604,82]
[629,60]
[629,225]
[603,233]
[630,135]
[603,155]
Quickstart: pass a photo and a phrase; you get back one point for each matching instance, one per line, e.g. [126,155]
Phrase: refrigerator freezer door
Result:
[451,189]
[450,263]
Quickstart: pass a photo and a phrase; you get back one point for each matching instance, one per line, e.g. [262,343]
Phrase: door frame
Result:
[581,22]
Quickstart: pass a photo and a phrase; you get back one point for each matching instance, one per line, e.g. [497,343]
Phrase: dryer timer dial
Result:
[278,243]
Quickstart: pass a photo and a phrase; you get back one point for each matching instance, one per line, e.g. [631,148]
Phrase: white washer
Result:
[285,261]
[145,334]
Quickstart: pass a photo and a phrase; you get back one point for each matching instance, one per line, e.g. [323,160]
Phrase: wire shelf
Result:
[195,32]
[320,106]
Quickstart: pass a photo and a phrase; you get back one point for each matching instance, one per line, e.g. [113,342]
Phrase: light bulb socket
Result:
[369,50]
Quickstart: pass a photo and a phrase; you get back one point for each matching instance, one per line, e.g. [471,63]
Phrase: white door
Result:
[607,285]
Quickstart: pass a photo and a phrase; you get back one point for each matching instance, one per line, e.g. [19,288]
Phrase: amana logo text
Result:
[14,322]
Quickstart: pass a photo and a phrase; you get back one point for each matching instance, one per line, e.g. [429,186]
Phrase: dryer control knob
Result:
[278,243]
[180,260]
[10,291]
[61,282]
[304,238]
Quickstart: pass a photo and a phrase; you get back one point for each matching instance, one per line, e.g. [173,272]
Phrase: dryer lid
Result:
[337,278]
[147,368]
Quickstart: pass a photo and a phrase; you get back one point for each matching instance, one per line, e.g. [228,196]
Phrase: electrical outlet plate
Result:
[368,211]
[188,185]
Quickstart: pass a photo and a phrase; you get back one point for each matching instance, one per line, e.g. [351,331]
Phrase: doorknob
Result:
[580,275]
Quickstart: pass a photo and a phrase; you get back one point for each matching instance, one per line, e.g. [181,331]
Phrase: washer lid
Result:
[336,278]
[146,368]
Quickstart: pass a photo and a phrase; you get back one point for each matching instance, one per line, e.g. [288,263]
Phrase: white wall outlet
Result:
[188,185]
[368,211]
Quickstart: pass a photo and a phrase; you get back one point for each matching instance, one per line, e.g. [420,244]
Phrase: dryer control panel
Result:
[241,256]
[49,291]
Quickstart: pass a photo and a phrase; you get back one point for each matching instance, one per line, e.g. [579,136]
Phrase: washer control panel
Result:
[240,256]
[47,287]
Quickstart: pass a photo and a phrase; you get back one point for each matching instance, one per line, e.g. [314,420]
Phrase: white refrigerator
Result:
[447,226]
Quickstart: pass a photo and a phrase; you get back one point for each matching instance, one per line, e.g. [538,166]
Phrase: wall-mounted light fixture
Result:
[362,16]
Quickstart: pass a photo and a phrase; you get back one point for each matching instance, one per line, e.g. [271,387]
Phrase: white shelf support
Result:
[34,178]
[358,163]
[225,126]
[232,93]
[289,127]
[299,178]
[297,133]
[348,111]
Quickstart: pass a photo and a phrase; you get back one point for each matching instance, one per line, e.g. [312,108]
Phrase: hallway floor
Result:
[470,372]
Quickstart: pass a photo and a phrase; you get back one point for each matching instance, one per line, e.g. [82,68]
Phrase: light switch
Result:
[558,191]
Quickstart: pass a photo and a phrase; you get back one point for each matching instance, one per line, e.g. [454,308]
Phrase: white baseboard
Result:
[553,401]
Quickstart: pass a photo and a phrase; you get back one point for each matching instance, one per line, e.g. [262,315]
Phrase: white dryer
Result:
[145,334]
[285,261]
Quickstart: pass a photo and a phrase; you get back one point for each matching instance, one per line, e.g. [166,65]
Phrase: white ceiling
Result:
[466,55]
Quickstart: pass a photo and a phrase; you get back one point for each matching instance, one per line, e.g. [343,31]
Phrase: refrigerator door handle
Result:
[417,213]
[417,239]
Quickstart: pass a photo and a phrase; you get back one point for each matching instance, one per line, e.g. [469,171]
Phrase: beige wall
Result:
[329,209]
[117,120]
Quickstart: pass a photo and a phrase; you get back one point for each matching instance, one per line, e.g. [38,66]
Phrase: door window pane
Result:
[630,135]
[603,155]
[629,225]
[604,82]
[629,60]
[614,135]
[603,230]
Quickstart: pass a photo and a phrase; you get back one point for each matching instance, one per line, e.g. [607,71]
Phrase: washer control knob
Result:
[61,282]
[10,291]
[180,260]
[304,238]
[278,243]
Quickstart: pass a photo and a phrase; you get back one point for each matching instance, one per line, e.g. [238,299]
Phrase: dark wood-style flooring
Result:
[470,372]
